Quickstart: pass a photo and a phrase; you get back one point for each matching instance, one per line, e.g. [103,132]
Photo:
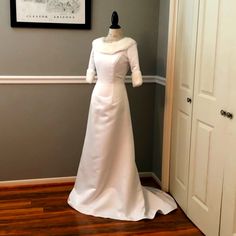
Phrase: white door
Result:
[182,108]
[208,140]
[228,216]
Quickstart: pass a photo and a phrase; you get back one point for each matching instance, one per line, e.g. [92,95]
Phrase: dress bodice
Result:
[111,61]
[111,67]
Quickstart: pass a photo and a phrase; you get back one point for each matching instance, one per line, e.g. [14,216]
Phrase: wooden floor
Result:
[43,210]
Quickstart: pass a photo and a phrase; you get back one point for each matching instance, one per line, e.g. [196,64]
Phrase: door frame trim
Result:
[166,148]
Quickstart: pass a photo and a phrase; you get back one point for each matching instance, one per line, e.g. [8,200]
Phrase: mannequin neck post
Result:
[114,35]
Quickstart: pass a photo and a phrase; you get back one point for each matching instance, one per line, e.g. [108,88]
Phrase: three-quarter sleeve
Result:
[132,53]
[90,74]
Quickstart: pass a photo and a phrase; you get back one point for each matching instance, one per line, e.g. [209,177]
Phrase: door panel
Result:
[228,41]
[183,87]
[228,216]
[208,126]
[182,149]
[202,152]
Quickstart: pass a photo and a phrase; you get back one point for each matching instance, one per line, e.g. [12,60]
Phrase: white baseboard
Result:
[25,182]
[156,179]
[150,174]
[58,180]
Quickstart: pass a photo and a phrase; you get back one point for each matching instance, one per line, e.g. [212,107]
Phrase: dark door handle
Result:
[223,113]
[189,100]
[229,115]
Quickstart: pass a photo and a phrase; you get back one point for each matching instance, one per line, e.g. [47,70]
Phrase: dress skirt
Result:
[108,183]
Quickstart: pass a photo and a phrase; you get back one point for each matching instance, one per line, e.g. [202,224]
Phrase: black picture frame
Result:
[62,25]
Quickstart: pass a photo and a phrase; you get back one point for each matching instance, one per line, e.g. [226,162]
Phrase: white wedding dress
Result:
[107,183]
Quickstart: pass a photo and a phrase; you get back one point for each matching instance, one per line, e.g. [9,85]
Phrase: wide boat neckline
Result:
[112,47]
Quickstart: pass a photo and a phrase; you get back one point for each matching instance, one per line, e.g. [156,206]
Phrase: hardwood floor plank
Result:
[11,191]
[23,211]
[14,205]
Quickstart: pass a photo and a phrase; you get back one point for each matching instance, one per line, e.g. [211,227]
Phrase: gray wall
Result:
[142,105]
[66,52]
[43,126]
[158,129]
[162,38]
[162,43]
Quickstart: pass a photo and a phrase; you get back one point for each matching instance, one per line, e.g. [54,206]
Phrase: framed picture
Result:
[71,14]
